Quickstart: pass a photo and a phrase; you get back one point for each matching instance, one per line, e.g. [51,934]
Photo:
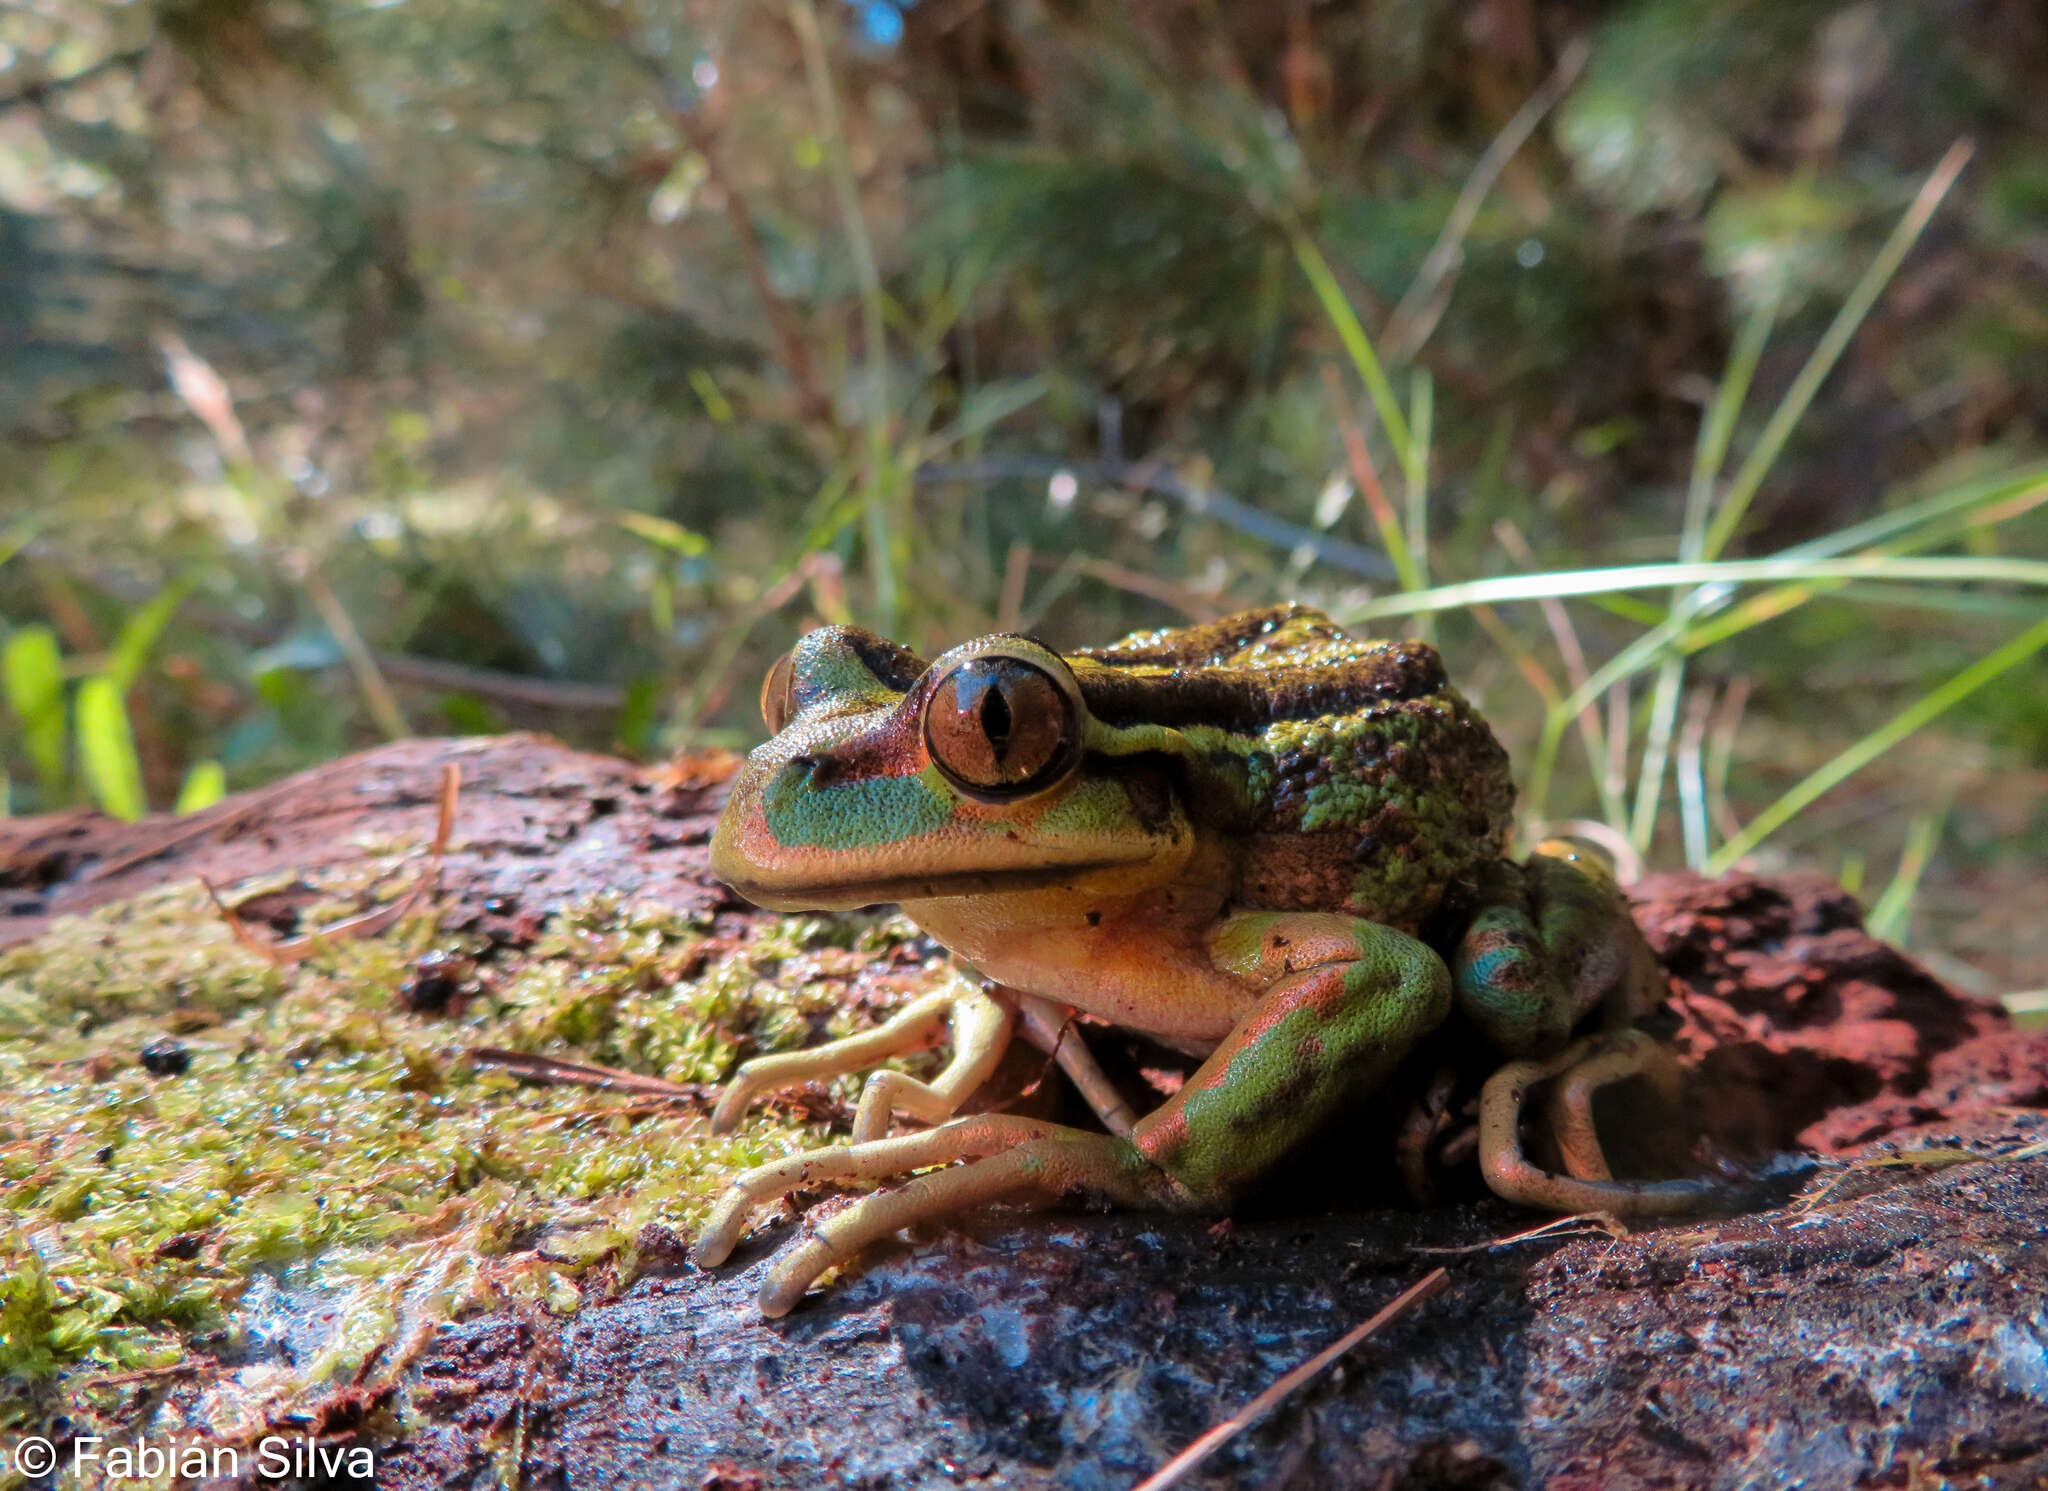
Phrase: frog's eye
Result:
[778,694]
[1000,727]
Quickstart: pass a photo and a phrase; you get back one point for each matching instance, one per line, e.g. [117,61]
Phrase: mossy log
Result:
[251,1194]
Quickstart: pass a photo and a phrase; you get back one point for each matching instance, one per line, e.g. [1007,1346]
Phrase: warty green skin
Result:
[1300,802]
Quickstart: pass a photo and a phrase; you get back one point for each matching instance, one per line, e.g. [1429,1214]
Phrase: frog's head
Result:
[888,779]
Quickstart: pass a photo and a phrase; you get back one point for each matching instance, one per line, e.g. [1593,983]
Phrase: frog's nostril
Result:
[810,771]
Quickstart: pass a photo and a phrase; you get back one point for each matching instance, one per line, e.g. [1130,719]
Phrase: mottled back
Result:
[1362,781]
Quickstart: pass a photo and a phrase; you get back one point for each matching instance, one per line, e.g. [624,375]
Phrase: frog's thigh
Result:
[1585,1067]
[912,1028]
[1345,1001]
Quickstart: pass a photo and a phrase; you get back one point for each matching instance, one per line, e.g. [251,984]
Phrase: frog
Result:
[1276,847]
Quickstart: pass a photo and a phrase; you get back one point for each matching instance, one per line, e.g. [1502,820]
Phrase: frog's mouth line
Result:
[847,895]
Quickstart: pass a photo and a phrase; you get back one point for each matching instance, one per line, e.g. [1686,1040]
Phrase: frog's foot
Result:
[981,1032]
[1007,1155]
[1426,1118]
[1581,1070]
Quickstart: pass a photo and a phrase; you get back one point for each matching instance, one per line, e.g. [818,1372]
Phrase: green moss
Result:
[323,1135]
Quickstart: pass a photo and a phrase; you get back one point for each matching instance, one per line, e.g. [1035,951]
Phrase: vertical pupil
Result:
[995,719]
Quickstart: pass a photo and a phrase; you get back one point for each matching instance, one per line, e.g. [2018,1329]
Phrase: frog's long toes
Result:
[732,1106]
[793,1275]
[723,1228]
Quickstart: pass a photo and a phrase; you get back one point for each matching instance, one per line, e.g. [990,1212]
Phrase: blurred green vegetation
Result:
[371,368]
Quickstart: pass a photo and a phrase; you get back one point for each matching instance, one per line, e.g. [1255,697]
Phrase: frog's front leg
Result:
[1344,1001]
[981,1026]
[1006,1154]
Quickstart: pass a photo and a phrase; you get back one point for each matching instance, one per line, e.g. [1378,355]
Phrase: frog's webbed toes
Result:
[1580,1070]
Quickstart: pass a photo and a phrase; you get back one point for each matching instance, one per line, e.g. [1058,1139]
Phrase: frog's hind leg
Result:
[981,1025]
[1581,1070]
[1007,1155]
[1569,1114]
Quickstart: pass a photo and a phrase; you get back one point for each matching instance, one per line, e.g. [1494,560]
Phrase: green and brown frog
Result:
[1230,837]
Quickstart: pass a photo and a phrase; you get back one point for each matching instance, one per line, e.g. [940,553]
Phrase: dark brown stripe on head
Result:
[896,666]
[1210,642]
[1249,699]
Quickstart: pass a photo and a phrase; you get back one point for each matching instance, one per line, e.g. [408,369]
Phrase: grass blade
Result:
[140,632]
[666,533]
[1877,742]
[1777,567]
[1890,917]
[1785,418]
[106,749]
[1357,345]
[1717,431]
[32,674]
[1366,478]
[1415,475]
[204,785]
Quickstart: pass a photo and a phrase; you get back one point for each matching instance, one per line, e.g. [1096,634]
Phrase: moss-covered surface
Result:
[324,1137]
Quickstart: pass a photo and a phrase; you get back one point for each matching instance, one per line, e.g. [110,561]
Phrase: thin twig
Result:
[1600,1221]
[1366,477]
[150,1374]
[552,1071]
[369,677]
[39,91]
[1423,306]
[1928,1160]
[1504,637]
[1721,754]
[1189,602]
[887,485]
[1016,575]
[434,673]
[505,688]
[689,121]
[1566,636]
[1429,1286]
[1161,480]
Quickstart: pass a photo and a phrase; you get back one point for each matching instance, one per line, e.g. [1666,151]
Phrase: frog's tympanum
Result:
[1233,838]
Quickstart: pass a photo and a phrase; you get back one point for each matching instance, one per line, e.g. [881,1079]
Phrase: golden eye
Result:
[778,695]
[1001,727]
